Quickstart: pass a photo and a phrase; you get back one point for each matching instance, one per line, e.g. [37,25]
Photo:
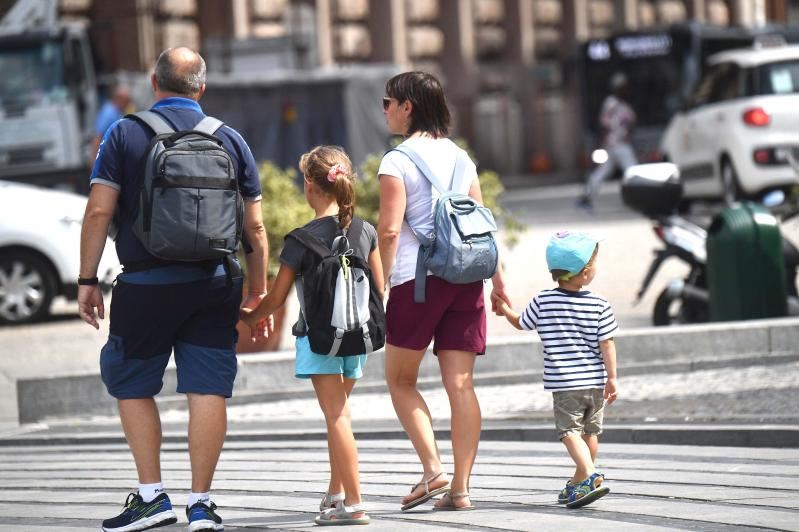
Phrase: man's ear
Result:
[153,82]
[202,91]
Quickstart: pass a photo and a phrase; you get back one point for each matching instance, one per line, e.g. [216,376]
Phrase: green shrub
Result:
[284,208]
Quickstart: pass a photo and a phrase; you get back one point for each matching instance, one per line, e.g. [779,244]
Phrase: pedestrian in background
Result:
[329,190]
[453,314]
[111,111]
[191,308]
[576,328]
[616,122]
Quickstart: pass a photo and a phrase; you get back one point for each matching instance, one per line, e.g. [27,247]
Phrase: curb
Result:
[774,436]
[508,360]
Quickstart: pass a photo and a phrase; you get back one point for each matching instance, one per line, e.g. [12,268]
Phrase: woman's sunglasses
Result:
[386,102]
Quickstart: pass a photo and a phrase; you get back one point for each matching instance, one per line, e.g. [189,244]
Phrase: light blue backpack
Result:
[461,248]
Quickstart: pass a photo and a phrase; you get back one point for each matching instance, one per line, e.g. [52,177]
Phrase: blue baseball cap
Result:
[570,251]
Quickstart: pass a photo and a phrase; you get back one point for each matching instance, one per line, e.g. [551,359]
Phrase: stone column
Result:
[388,30]
[458,61]
[626,14]
[324,32]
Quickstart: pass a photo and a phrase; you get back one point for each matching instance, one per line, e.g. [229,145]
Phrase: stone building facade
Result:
[506,64]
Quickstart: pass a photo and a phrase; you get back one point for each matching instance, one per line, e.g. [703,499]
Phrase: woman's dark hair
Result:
[430,113]
[330,169]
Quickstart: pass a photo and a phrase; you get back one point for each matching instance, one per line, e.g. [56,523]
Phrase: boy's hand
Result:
[500,307]
[611,391]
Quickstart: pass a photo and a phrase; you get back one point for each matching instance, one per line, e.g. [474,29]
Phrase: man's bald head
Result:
[180,70]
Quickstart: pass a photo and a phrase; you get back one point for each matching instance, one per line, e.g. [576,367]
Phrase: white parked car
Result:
[40,250]
[732,138]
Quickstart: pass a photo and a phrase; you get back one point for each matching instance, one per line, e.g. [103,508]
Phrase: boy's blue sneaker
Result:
[140,515]
[563,496]
[588,491]
[203,518]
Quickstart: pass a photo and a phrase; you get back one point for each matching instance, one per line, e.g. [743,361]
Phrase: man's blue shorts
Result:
[196,319]
[307,363]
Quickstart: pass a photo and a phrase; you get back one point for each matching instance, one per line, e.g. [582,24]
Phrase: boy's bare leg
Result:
[592,441]
[581,454]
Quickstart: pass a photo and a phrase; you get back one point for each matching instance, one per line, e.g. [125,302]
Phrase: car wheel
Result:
[27,287]
[731,188]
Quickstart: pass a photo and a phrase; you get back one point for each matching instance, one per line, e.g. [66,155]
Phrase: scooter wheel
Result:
[671,309]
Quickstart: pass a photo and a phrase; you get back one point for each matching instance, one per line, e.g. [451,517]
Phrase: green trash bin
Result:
[745,267]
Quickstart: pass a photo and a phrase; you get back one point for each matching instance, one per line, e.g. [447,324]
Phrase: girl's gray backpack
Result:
[190,208]
[461,248]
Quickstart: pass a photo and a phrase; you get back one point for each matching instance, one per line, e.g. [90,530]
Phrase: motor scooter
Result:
[655,190]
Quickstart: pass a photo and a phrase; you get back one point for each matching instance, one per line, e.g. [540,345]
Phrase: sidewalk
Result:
[276,485]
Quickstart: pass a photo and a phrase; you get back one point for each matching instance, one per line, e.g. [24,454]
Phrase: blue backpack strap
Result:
[423,168]
[425,248]
[154,121]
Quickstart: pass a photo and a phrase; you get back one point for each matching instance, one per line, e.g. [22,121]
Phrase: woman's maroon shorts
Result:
[453,314]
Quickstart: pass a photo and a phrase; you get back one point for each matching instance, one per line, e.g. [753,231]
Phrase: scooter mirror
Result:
[774,198]
[655,172]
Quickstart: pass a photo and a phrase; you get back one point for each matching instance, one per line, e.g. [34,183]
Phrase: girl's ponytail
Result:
[345,197]
[330,169]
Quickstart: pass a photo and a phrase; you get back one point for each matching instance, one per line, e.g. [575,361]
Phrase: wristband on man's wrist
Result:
[91,281]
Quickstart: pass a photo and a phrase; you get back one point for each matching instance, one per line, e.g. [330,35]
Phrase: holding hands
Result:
[260,327]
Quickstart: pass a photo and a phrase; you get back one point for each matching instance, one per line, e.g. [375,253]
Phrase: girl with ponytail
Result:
[329,190]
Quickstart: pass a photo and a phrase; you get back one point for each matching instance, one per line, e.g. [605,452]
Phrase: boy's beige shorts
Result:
[578,411]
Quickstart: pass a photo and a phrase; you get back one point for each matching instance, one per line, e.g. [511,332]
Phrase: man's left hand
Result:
[90,298]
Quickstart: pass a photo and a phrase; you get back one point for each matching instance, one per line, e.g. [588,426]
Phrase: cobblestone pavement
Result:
[749,392]
[277,486]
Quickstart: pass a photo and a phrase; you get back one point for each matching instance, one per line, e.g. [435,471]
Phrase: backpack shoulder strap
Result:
[310,242]
[208,125]
[422,166]
[459,171]
[153,121]
[354,232]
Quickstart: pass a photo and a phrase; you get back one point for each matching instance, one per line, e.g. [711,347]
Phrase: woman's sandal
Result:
[428,493]
[447,502]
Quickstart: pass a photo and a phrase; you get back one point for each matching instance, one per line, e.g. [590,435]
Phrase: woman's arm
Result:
[390,216]
[376,265]
[498,280]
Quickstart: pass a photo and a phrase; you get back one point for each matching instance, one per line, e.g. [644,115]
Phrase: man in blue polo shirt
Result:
[110,112]
[191,308]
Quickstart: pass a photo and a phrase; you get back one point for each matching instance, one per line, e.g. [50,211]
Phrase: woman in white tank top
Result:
[453,314]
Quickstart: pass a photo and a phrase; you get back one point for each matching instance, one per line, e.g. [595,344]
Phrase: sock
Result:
[149,492]
[194,498]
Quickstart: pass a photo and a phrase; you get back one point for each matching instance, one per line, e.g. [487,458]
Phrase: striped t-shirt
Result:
[571,325]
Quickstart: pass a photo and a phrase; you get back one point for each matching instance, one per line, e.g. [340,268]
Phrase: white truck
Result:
[48,97]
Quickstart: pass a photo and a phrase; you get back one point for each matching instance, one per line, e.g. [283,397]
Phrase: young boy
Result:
[576,328]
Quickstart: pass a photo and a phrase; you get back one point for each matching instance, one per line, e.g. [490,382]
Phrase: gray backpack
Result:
[461,248]
[190,208]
